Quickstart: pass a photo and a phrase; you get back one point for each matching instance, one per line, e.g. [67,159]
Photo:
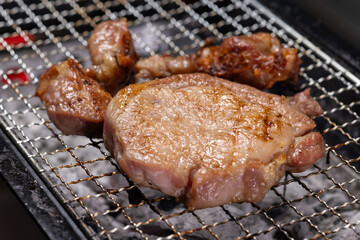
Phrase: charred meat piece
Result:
[206,140]
[75,103]
[112,54]
[258,60]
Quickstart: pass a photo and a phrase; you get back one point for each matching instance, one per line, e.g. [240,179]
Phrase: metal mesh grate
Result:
[322,202]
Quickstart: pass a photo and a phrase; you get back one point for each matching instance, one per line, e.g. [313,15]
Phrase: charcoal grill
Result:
[89,190]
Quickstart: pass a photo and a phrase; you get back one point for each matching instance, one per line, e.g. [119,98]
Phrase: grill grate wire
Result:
[322,202]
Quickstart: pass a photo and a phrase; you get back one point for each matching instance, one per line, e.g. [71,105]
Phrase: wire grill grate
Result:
[322,202]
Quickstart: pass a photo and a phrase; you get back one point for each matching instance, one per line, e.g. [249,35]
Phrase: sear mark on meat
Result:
[206,140]
[112,54]
[75,103]
[258,60]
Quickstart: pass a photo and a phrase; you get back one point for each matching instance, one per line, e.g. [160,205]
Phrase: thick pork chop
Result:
[206,140]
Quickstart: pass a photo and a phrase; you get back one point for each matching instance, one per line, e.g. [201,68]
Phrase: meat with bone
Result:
[75,103]
[258,60]
[113,54]
[206,140]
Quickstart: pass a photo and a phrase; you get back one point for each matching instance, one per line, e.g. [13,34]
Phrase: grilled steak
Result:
[75,103]
[112,54]
[206,140]
[258,60]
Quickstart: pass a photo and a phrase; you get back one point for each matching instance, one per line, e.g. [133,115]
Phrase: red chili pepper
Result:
[16,39]
[16,76]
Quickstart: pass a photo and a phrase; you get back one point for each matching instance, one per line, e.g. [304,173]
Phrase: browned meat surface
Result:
[206,140]
[112,54]
[258,60]
[75,103]
[164,66]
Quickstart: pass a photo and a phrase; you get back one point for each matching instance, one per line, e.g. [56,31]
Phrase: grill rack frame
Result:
[326,62]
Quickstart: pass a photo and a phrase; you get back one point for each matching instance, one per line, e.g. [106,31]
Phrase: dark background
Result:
[15,221]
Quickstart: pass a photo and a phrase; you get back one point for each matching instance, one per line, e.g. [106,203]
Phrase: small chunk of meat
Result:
[113,54]
[258,60]
[75,103]
[163,66]
[307,149]
[206,140]
[305,103]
